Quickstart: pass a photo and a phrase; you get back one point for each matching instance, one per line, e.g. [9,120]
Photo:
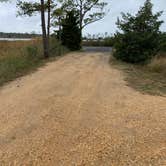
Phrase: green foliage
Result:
[86,14]
[71,34]
[27,8]
[31,8]
[140,38]
[162,45]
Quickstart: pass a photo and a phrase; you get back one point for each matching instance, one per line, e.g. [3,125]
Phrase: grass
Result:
[18,58]
[148,79]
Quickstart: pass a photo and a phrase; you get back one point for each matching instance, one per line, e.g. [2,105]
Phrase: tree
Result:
[71,36]
[139,39]
[57,16]
[162,45]
[29,9]
[84,7]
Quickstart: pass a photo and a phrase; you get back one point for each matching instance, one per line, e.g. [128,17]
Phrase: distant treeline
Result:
[18,35]
[98,40]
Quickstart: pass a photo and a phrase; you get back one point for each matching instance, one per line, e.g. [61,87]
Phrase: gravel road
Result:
[79,111]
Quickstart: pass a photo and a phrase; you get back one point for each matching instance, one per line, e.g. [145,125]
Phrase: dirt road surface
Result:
[79,111]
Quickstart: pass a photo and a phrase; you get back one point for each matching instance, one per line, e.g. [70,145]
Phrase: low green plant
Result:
[162,44]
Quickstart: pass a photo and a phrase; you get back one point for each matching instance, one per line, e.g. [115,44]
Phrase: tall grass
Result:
[158,65]
[20,57]
[148,78]
[17,48]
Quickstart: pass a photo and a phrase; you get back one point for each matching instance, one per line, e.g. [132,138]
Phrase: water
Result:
[15,39]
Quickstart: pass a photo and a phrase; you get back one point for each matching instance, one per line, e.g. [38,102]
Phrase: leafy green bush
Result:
[139,40]
[134,47]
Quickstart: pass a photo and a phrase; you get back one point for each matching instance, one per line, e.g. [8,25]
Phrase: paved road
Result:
[79,111]
[97,49]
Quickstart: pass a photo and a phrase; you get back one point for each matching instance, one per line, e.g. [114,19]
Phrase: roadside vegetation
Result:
[57,12]
[140,50]
[18,58]
[148,79]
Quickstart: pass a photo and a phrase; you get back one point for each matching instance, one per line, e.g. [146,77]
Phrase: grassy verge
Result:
[148,79]
[18,58]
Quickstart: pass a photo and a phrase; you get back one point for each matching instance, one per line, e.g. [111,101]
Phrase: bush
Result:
[134,47]
[139,40]
[162,44]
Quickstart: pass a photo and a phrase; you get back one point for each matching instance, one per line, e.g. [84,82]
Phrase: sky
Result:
[10,23]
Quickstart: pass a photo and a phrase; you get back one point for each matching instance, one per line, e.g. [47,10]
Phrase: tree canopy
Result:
[71,35]
[84,8]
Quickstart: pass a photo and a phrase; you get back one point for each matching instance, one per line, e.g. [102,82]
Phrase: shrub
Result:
[162,44]
[138,42]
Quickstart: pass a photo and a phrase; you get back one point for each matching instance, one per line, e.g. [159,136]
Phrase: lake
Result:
[15,39]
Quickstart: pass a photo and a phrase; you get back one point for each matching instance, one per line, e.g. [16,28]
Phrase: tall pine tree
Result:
[71,33]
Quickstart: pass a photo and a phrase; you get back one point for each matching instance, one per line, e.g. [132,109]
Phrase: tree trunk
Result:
[44,33]
[81,18]
[48,24]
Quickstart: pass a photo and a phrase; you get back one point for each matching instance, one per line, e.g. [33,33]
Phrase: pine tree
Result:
[71,34]
[139,39]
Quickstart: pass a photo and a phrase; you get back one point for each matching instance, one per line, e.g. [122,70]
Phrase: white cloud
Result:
[10,23]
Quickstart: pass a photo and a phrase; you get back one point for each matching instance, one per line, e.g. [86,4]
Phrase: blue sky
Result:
[10,23]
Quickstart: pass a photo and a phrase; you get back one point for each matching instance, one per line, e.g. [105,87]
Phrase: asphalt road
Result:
[97,49]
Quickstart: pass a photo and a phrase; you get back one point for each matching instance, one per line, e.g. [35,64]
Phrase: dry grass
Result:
[17,48]
[18,58]
[148,79]
[158,65]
